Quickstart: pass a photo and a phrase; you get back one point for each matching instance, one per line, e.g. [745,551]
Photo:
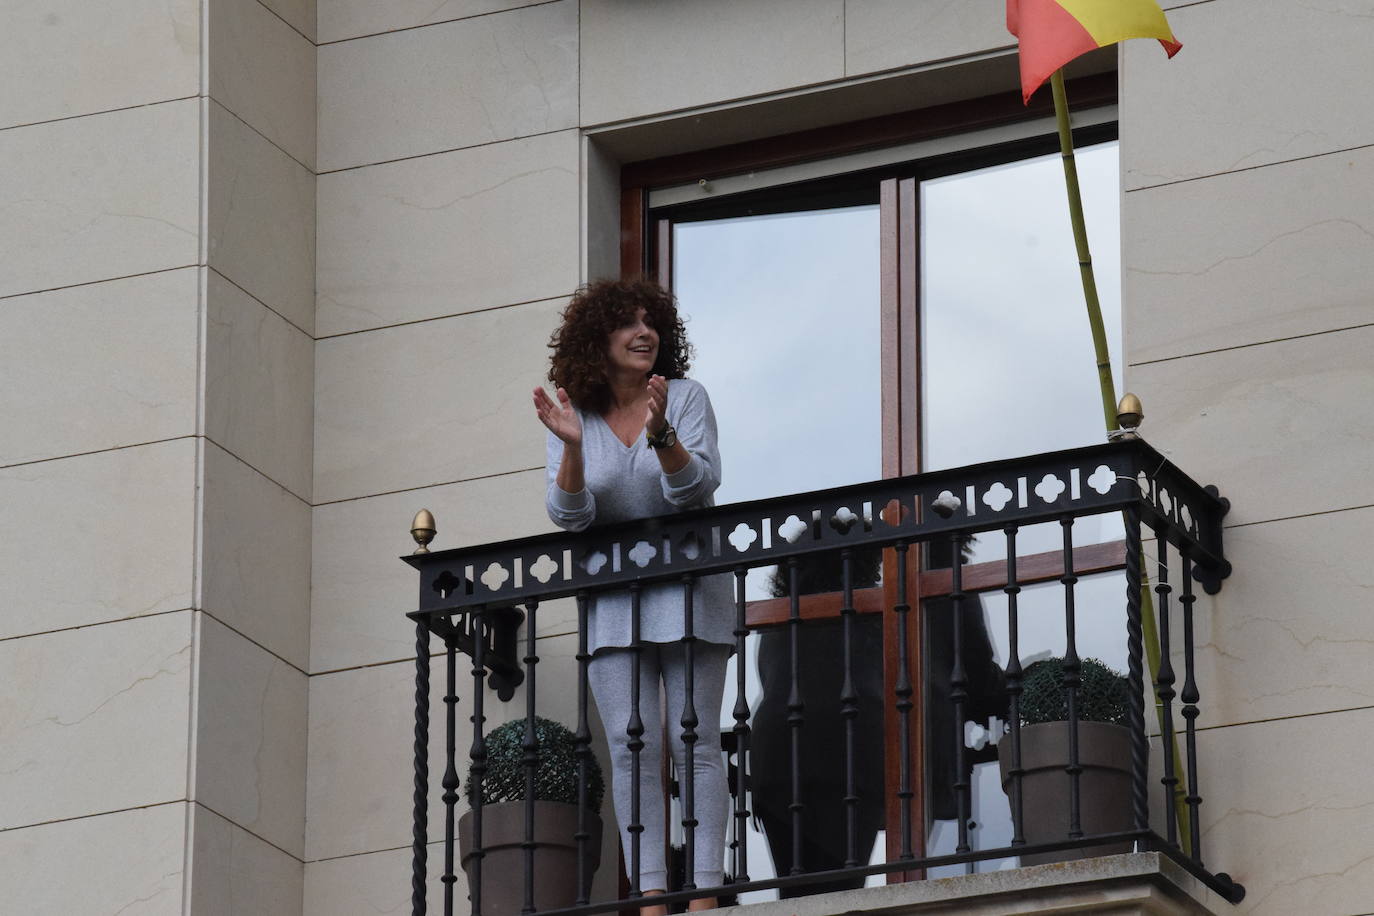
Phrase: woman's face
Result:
[633,347]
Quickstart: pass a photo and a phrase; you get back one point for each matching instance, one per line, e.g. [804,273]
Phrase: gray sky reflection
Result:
[784,311]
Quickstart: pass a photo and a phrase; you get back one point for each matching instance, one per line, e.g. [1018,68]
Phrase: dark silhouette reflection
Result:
[821,660]
[986,687]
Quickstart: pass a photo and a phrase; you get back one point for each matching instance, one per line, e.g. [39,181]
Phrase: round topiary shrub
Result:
[1103,694]
[555,777]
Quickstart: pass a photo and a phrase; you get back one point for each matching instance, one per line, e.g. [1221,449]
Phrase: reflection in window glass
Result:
[783,311]
[1099,632]
[1007,356]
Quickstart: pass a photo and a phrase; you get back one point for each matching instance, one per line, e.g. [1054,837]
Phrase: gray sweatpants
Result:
[662,671]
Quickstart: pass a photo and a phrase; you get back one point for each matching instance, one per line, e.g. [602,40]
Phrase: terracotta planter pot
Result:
[1104,752]
[555,855]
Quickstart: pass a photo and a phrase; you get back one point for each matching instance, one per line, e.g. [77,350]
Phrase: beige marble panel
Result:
[259,386]
[99,197]
[886,34]
[375,883]
[1213,107]
[1249,256]
[261,218]
[355,574]
[255,563]
[1285,811]
[448,233]
[234,873]
[301,14]
[126,862]
[95,720]
[1289,634]
[263,70]
[142,50]
[1270,425]
[449,86]
[378,883]
[250,737]
[116,361]
[361,739]
[342,19]
[644,58]
[97,537]
[430,403]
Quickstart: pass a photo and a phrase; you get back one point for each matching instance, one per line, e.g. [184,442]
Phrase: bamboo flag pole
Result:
[1149,628]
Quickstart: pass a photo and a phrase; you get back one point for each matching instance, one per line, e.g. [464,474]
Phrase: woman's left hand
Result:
[655,414]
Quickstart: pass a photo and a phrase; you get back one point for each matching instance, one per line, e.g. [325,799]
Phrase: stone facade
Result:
[277,273]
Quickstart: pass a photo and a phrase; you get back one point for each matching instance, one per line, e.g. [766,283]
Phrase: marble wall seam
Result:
[301,15]
[1245,346]
[134,859]
[1223,105]
[449,86]
[372,434]
[145,51]
[255,129]
[99,197]
[230,280]
[263,70]
[134,679]
[260,220]
[447,233]
[355,19]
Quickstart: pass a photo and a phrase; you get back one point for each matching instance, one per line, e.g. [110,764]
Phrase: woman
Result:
[630,437]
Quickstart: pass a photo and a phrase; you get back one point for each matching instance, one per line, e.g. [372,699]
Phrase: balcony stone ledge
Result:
[1133,884]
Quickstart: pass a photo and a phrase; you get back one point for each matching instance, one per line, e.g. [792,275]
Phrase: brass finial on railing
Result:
[423,530]
[1129,414]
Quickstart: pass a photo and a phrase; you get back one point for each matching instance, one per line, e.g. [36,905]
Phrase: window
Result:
[886,311]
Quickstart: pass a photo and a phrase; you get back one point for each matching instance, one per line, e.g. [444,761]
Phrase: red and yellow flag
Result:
[1054,32]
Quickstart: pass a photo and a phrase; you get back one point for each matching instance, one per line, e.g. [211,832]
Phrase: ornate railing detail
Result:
[471,599]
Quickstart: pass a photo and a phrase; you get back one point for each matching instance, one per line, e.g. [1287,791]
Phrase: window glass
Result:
[1007,356]
[783,311]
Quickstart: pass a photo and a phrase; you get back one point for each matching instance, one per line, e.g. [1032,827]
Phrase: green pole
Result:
[1149,628]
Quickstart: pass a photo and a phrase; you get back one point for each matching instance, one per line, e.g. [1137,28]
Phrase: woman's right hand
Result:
[560,418]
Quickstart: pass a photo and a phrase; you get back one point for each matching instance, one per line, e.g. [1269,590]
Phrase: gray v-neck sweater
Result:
[626,482]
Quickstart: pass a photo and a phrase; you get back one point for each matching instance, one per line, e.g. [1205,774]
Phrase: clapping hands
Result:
[654,413]
[560,418]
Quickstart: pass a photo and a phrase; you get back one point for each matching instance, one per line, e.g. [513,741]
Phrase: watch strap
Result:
[666,437]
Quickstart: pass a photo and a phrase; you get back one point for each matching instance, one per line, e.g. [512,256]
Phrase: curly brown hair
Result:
[578,363]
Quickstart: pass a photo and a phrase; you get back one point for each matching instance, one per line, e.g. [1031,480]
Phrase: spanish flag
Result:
[1054,32]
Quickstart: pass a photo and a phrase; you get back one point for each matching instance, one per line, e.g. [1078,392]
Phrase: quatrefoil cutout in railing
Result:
[544,568]
[894,513]
[593,561]
[447,583]
[792,529]
[1103,479]
[1185,518]
[1165,502]
[495,576]
[641,553]
[946,504]
[1049,488]
[843,520]
[690,546]
[997,496]
[743,537]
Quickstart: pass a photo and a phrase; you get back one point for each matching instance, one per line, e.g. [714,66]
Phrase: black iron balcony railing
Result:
[471,598]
